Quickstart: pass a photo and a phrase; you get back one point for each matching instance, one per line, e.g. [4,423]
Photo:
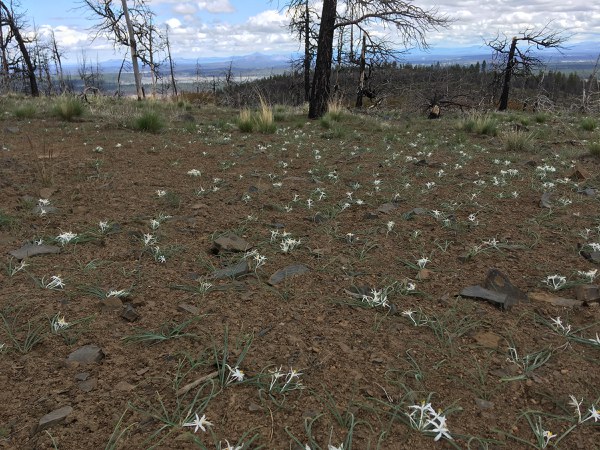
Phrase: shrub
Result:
[67,108]
[541,118]
[246,121]
[588,124]
[26,111]
[517,141]
[150,121]
[594,149]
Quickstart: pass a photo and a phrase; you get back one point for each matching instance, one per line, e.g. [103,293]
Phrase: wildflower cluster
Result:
[426,420]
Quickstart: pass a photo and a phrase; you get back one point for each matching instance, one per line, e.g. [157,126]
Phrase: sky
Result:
[218,28]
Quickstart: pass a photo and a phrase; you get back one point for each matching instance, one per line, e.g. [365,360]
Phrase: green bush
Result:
[541,118]
[150,121]
[67,108]
[588,124]
[594,149]
[26,111]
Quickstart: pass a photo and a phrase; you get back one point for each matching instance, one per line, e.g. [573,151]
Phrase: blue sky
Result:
[205,28]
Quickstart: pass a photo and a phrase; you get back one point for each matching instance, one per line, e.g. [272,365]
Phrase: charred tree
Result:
[516,57]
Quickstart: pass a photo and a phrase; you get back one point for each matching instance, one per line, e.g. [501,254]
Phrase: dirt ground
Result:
[371,216]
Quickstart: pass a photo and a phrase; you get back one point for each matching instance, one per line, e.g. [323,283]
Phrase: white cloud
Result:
[173,23]
[184,8]
[216,6]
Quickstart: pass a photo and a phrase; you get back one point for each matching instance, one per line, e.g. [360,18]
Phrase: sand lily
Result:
[235,374]
[55,282]
[66,237]
[198,423]
[555,281]
[59,323]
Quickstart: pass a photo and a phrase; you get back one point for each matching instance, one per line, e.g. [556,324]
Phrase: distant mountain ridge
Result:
[584,54]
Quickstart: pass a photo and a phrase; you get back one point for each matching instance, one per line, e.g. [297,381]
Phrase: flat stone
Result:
[387,208]
[578,173]
[487,339]
[414,212]
[33,250]
[498,282]
[234,271]
[124,386]
[82,376]
[88,354]
[484,404]
[496,298]
[11,130]
[184,307]
[230,243]
[55,417]
[545,201]
[587,293]
[554,299]
[129,313]
[88,385]
[590,192]
[46,209]
[287,272]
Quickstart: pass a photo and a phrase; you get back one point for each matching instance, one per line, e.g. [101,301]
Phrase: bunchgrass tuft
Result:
[265,123]
[26,111]
[517,141]
[588,124]
[246,121]
[68,108]
[335,110]
[150,121]
[541,117]
[480,124]
[594,149]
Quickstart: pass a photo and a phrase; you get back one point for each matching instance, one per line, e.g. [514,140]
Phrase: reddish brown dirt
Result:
[352,358]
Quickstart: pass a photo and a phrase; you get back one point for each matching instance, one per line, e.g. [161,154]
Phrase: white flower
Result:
[390,225]
[161,193]
[555,281]
[103,225]
[594,413]
[66,237]
[43,202]
[235,374]
[438,425]
[148,239]
[333,447]
[231,447]
[194,173]
[422,262]
[121,293]
[55,282]
[198,423]
[59,323]
[590,274]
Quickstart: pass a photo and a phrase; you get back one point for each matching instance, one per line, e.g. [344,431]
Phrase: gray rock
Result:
[87,385]
[496,298]
[590,192]
[498,282]
[129,313]
[287,272]
[88,354]
[484,404]
[82,376]
[46,209]
[11,130]
[33,250]
[387,208]
[230,243]
[545,200]
[234,271]
[414,212]
[184,307]
[55,417]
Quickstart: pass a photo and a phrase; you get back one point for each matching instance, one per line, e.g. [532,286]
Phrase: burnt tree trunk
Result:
[23,49]
[319,94]
[510,64]
[361,77]
[307,57]
[133,48]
